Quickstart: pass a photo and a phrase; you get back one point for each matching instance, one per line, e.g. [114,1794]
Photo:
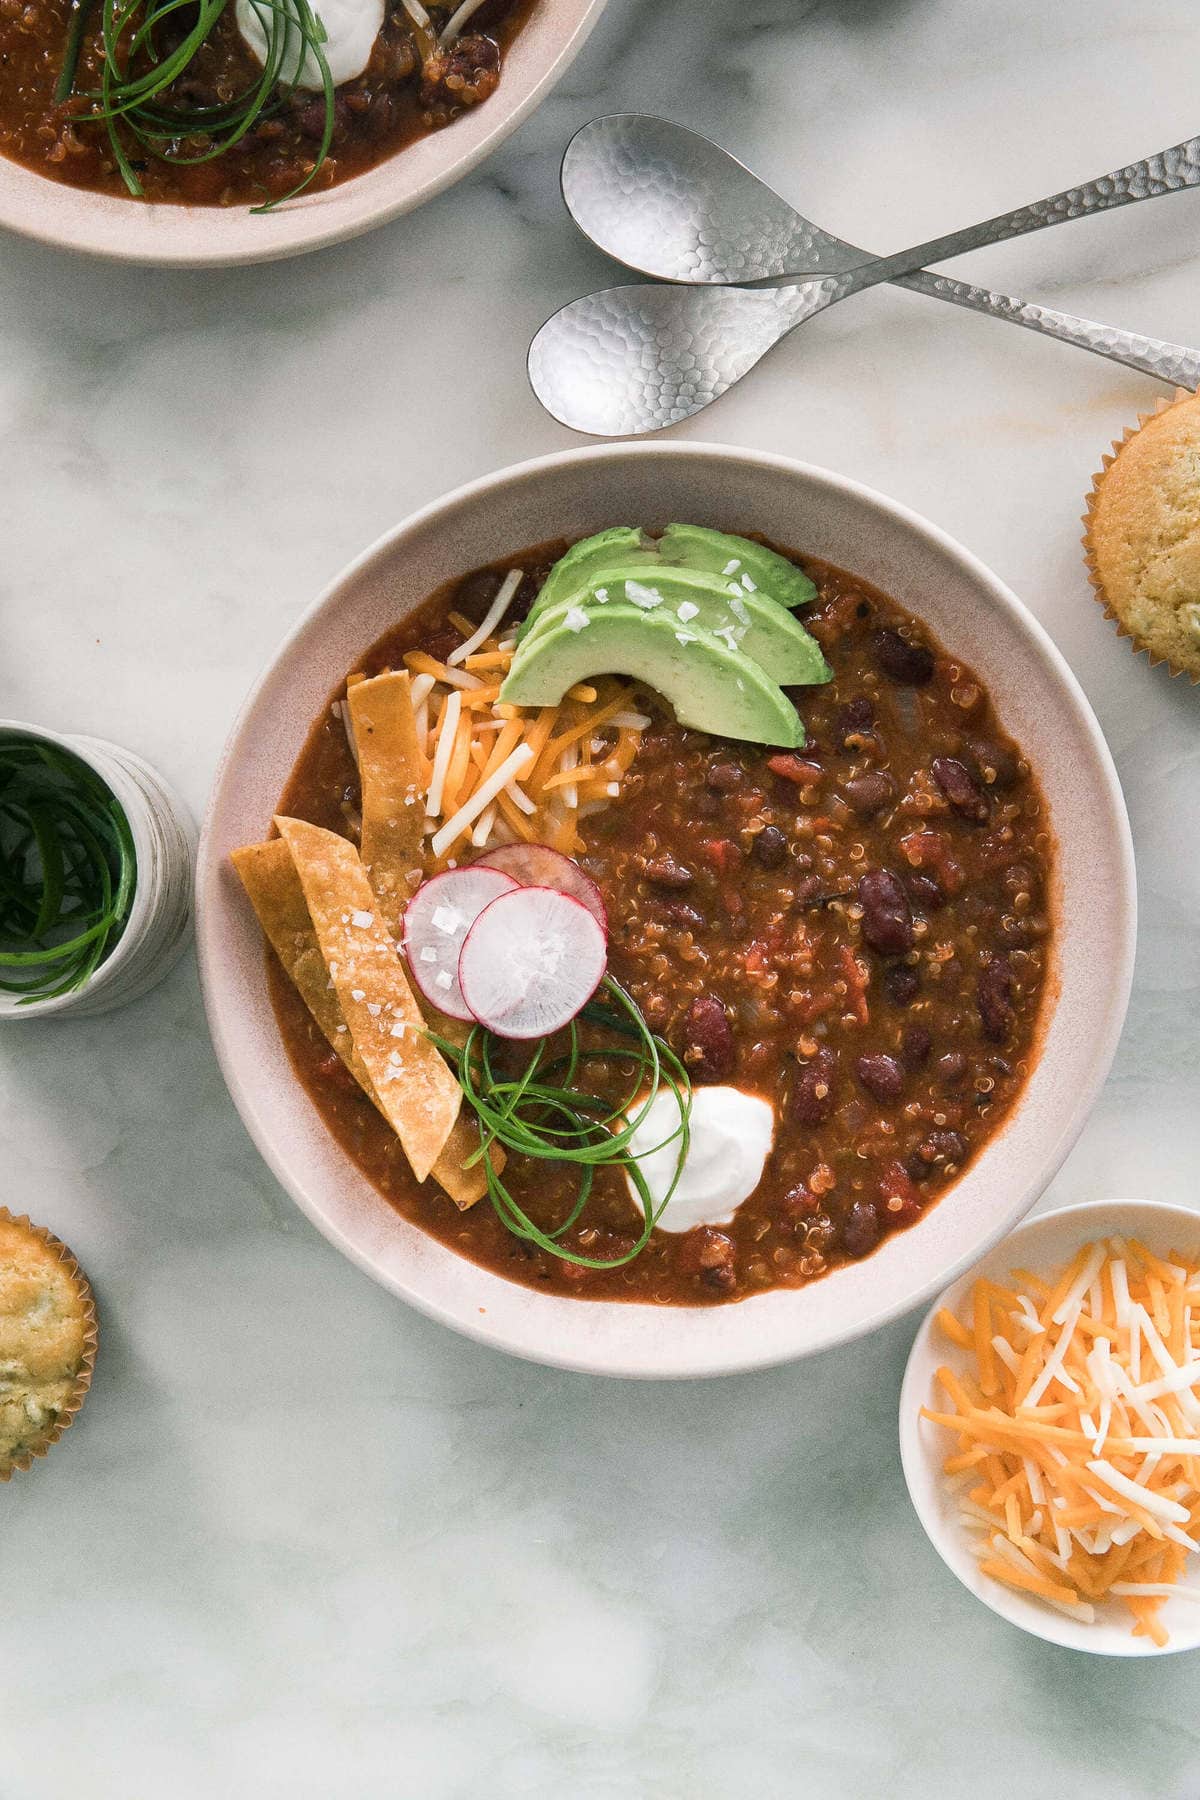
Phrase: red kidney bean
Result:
[665,872]
[868,794]
[951,1068]
[813,1096]
[681,915]
[915,1047]
[958,784]
[881,1075]
[798,1208]
[903,660]
[995,998]
[997,765]
[860,1233]
[887,918]
[709,1049]
[938,1149]
[770,847]
[901,984]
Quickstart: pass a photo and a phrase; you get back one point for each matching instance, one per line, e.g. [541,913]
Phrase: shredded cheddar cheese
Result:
[492,773]
[1077,1428]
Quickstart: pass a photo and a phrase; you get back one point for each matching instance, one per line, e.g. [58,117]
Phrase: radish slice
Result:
[537,865]
[530,961]
[436,921]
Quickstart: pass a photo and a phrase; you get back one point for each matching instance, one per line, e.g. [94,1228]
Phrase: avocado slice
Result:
[576,567]
[697,547]
[753,623]
[711,687]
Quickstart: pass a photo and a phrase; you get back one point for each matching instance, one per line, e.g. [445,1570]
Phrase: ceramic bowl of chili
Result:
[399,133]
[917,574]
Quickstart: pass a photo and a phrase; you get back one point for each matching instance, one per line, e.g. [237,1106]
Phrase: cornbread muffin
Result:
[47,1341]
[1143,535]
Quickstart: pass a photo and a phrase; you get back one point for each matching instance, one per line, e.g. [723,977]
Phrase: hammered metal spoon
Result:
[635,359]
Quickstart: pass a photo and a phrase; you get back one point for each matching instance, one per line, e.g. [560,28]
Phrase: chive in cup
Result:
[96,856]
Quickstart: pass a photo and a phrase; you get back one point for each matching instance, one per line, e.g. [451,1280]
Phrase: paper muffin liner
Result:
[91,1337]
[1137,645]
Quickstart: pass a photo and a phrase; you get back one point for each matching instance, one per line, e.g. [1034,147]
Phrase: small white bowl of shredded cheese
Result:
[1050,1402]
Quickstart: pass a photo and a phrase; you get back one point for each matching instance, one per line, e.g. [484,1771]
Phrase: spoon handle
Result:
[1175,363]
[1167,172]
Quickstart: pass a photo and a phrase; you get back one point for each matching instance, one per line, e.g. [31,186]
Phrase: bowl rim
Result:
[114,229]
[1103,1045]
[917,1448]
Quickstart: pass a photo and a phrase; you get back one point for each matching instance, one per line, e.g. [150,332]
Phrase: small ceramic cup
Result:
[164,840]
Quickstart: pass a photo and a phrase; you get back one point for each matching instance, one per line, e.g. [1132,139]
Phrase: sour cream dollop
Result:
[351,28]
[731,1137]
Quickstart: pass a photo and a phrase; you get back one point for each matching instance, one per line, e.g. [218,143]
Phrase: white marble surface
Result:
[303,1543]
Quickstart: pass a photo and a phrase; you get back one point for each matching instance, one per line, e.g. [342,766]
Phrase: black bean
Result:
[665,872]
[813,1096]
[915,1046]
[995,998]
[855,718]
[860,1233]
[709,1049]
[924,890]
[770,847]
[951,1068]
[725,778]
[901,984]
[958,784]
[881,1075]
[887,918]
[902,660]
[868,794]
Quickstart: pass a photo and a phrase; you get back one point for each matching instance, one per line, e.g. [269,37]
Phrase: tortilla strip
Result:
[418,1093]
[269,877]
[389,766]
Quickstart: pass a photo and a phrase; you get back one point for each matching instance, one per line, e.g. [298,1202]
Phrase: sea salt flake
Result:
[447,919]
[363,920]
[601,594]
[429,954]
[645,597]
[740,610]
[576,619]
[685,637]
[357,994]
[687,609]
[732,566]
[443,979]
[398,1031]
[374,1008]
[751,587]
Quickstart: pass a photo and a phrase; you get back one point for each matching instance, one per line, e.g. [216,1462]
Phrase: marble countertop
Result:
[303,1542]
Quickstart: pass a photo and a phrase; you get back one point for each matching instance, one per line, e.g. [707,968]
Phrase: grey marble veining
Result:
[302,1542]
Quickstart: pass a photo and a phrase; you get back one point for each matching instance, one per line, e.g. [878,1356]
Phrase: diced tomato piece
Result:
[790,767]
[930,851]
[722,853]
[856,983]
